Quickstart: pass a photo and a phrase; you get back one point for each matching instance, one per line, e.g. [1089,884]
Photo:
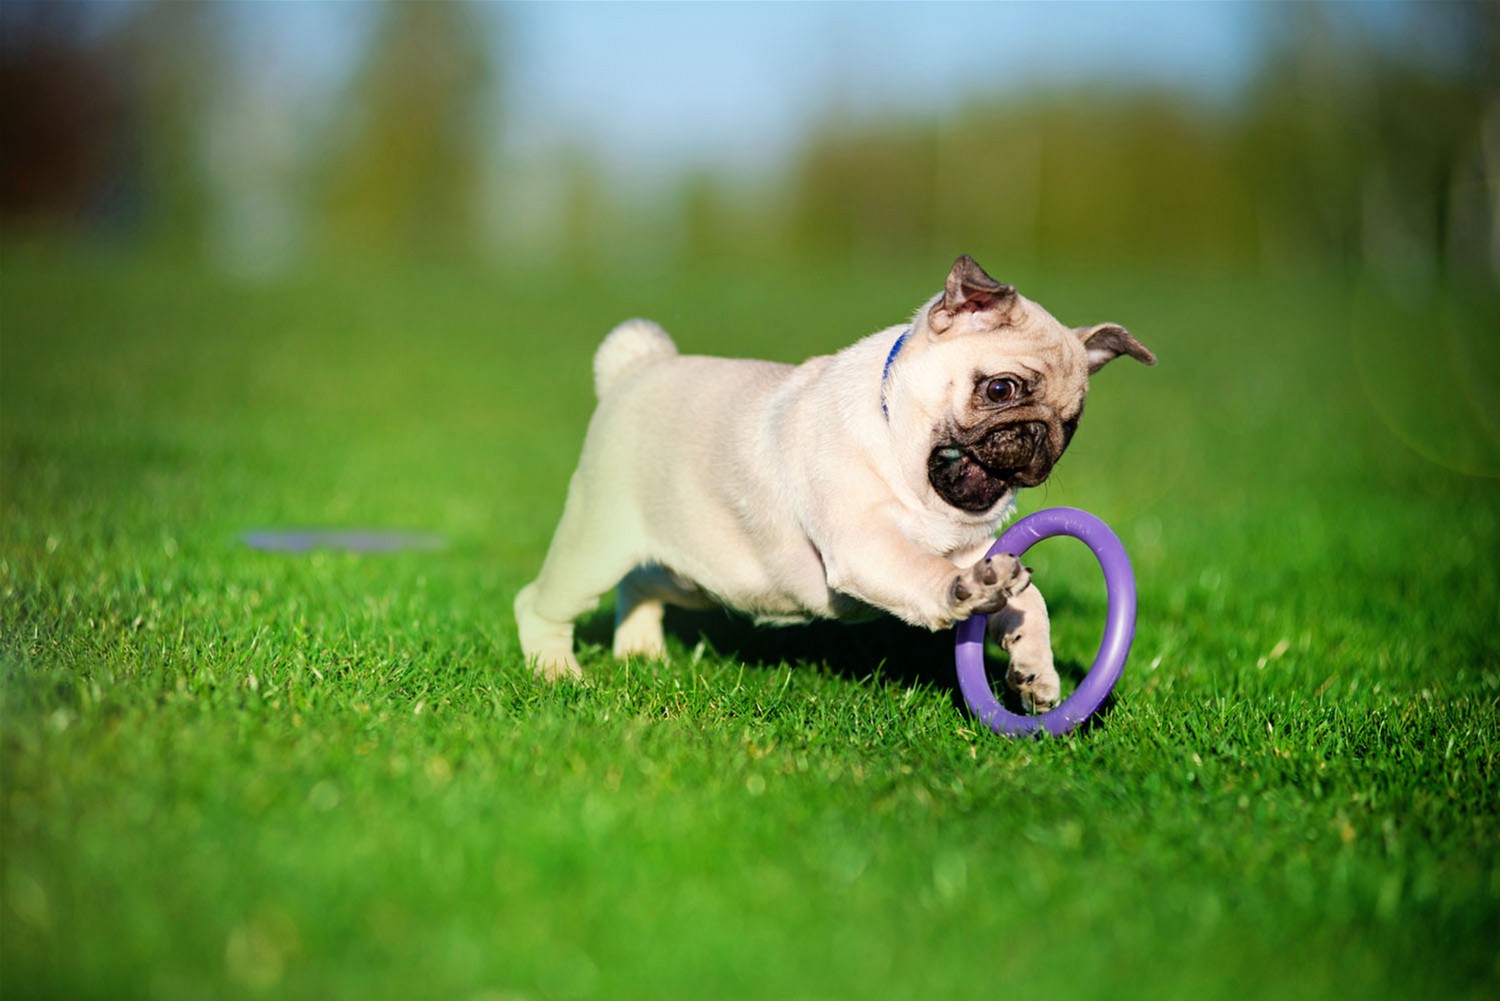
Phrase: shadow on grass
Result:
[882,649]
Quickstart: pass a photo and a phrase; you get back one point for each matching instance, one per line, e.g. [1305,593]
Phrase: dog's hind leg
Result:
[639,604]
[590,553]
[546,643]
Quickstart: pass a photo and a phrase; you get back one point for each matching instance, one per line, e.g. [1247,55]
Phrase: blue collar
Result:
[885,374]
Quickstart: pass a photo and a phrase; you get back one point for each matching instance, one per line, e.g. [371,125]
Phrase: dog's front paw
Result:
[985,587]
[1022,629]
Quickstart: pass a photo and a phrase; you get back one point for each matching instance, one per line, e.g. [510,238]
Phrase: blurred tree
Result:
[404,176]
[60,105]
[1078,176]
[584,222]
[1354,148]
[865,188]
[1435,116]
[174,57]
[101,111]
[1349,149]
[1117,177]
[710,230]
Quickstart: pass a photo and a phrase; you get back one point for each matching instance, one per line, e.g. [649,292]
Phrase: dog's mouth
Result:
[976,476]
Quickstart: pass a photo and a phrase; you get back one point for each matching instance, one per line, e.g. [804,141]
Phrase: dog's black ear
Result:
[1107,341]
[968,290]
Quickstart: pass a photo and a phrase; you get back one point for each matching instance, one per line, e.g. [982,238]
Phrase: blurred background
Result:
[261,138]
[290,265]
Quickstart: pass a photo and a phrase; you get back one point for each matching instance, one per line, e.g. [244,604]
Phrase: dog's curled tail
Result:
[632,346]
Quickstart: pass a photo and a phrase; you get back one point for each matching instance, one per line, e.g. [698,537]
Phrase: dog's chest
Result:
[960,542]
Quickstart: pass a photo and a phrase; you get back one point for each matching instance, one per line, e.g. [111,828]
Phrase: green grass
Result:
[233,773]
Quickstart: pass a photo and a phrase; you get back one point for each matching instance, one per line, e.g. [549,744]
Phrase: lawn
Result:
[229,772]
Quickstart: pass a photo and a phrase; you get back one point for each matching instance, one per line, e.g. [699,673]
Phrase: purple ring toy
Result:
[1114,648]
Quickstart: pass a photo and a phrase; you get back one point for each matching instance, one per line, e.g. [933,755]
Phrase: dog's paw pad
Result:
[984,588]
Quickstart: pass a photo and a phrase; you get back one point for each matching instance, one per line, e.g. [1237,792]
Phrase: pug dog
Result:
[871,480]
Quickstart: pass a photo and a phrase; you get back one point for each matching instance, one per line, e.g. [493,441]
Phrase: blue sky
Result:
[735,84]
[656,87]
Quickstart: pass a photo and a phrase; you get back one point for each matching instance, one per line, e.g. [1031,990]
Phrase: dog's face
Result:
[993,389]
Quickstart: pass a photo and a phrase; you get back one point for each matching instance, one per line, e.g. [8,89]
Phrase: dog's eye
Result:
[1002,390]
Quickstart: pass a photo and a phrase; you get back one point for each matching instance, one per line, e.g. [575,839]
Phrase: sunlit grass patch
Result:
[233,771]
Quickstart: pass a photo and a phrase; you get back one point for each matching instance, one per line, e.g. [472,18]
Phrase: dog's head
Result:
[990,388]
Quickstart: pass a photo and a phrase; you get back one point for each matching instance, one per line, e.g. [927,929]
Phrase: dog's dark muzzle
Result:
[975,475]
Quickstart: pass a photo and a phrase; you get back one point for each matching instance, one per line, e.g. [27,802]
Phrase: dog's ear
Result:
[968,290]
[1107,341]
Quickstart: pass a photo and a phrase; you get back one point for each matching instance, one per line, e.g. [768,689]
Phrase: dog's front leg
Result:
[884,569]
[1023,629]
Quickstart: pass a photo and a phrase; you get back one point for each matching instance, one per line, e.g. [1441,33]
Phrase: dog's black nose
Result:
[1020,450]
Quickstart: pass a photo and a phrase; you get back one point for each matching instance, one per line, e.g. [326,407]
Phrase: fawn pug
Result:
[874,478]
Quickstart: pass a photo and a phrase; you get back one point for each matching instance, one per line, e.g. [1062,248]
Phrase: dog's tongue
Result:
[968,468]
[976,478]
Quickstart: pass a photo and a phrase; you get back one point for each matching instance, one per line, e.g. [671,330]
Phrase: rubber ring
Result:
[1114,648]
